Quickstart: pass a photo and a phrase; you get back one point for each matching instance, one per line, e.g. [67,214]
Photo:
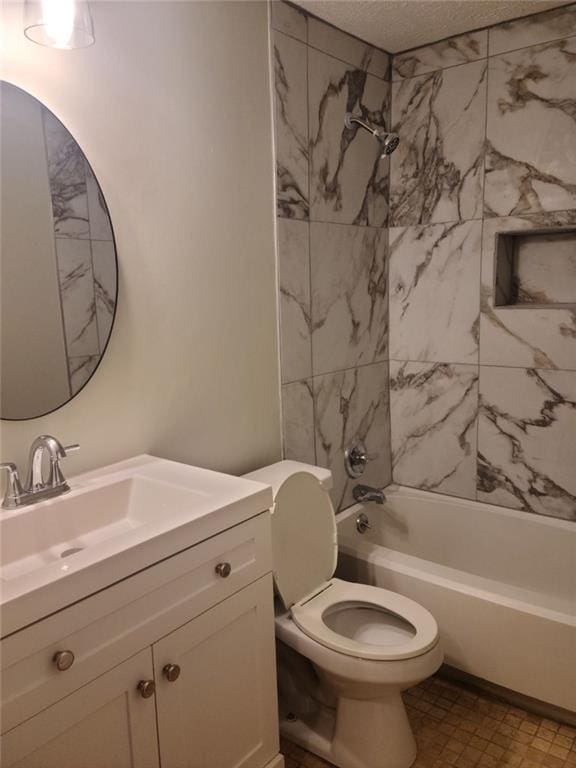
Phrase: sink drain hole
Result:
[71,551]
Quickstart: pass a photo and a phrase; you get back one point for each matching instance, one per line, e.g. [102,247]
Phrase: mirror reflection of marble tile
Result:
[437,170]
[434,292]
[446,53]
[531,131]
[67,177]
[294,286]
[105,287]
[298,421]
[526,444]
[77,296]
[291,126]
[348,182]
[523,337]
[350,406]
[433,409]
[532,30]
[100,226]
[80,370]
[349,296]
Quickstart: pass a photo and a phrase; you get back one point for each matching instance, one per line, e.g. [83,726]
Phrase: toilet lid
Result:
[304,541]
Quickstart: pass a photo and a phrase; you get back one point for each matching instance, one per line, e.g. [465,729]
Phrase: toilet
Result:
[346,651]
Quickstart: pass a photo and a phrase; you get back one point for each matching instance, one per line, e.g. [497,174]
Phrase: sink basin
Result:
[45,534]
[114,522]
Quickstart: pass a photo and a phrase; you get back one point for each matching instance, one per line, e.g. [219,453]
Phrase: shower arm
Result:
[349,119]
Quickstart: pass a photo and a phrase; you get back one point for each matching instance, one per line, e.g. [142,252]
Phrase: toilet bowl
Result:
[365,644]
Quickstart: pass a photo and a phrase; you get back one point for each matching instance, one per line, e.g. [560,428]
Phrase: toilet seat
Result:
[310,614]
[305,551]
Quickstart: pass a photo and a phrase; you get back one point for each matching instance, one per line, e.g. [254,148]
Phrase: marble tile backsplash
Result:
[85,252]
[389,327]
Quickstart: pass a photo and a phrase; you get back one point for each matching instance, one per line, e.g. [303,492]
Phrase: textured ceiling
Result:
[397,25]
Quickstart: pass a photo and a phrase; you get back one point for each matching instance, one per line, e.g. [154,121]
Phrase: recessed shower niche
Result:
[536,269]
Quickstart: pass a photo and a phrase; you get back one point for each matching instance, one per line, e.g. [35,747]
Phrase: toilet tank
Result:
[276,474]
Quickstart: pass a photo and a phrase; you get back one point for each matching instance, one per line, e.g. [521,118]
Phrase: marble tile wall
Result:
[85,252]
[332,209]
[482,397]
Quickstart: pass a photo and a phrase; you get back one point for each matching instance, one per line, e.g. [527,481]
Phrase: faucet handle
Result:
[356,458]
[14,490]
[56,479]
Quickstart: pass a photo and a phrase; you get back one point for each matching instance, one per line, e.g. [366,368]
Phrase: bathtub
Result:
[501,583]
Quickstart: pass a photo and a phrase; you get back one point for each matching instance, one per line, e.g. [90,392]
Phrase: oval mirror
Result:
[58,268]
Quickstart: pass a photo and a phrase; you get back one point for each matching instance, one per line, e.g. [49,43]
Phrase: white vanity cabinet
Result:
[221,711]
[206,614]
[104,724]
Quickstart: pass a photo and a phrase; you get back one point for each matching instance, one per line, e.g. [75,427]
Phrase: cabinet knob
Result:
[223,569]
[171,672]
[63,660]
[146,688]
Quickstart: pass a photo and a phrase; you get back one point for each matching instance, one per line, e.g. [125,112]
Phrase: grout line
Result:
[480,58]
[482,235]
[487,27]
[480,365]
[309,15]
[533,45]
[309,227]
[432,72]
[408,226]
[382,78]
[345,370]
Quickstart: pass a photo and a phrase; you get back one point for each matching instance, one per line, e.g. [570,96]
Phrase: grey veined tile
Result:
[298,421]
[336,43]
[291,126]
[436,173]
[434,292]
[77,296]
[526,448]
[433,411]
[531,131]
[532,30]
[447,53]
[294,284]
[289,19]
[350,406]
[349,296]
[348,181]
[524,337]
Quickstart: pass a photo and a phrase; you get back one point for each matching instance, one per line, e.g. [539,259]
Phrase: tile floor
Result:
[456,728]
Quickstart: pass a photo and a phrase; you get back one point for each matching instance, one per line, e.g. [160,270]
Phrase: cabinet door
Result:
[221,712]
[105,724]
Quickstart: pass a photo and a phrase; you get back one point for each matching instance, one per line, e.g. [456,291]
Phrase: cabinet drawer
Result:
[103,630]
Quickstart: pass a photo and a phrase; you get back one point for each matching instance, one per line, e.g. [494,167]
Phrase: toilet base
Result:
[359,734]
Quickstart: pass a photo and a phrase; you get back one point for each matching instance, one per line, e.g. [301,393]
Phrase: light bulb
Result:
[59,21]
[61,24]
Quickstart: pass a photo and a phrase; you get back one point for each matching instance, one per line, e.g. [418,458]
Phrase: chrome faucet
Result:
[364,494]
[36,488]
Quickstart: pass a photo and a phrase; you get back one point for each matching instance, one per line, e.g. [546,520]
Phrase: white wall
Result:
[172,108]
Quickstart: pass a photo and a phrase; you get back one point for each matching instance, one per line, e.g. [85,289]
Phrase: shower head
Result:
[389,141]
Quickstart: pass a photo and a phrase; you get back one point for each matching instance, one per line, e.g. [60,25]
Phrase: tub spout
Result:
[364,494]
